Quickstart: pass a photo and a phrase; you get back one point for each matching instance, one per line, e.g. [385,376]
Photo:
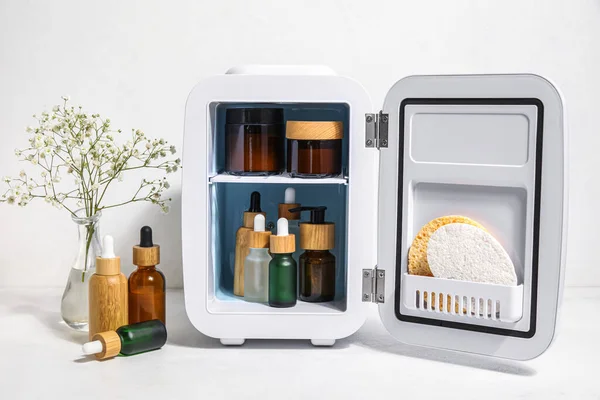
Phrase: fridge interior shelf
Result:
[282,179]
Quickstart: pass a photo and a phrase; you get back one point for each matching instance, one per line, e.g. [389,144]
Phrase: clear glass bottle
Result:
[256,264]
[74,303]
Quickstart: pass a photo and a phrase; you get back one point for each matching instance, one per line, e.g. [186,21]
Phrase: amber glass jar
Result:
[254,142]
[314,149]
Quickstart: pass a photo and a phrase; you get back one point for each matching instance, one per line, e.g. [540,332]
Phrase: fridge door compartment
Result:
[459,300]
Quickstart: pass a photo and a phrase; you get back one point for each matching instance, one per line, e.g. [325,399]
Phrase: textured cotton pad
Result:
[417,255]
[467,253]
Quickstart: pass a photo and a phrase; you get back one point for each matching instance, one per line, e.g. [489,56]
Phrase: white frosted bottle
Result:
[256,264]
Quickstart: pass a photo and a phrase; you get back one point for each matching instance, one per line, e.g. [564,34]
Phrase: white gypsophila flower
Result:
[165,208]
[167,185]
[56,179]
[66,97]
[23,174]
[55,109]
[33,161]
[47,151]
[148,145]
[172,149]
[44,174]
[18,152]
[120,178]
[6,179]
[29,129]
[95,186]
[11,199]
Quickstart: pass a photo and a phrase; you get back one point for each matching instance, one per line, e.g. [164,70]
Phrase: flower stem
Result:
[88,241]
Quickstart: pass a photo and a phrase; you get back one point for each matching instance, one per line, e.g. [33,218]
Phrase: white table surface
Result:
[41,358]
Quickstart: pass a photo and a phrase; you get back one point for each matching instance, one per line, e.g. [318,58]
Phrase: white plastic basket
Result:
[463,299]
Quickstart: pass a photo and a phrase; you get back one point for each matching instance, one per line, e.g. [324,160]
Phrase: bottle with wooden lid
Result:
[317,264]
[256,265]
[108,292]
[128,340]
[293,218]
[283,272]
[242,238]
[147,284]
[314,148]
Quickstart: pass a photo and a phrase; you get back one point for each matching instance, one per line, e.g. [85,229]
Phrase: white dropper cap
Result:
[108,247]
[282,227]
[289,197]
[92,347]
[259,223]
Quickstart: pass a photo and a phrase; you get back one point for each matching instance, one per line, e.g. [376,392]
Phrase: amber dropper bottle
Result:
[317,264]
[146,284]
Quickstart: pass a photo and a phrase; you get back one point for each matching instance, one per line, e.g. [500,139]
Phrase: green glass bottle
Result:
[283,271]
[128,340]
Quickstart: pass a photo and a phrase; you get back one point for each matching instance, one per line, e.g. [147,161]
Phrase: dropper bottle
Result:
[127,340]
[107,292]
[146,284]
[283,271]
[241,242]
[256,265]
[317,264]
[292,217]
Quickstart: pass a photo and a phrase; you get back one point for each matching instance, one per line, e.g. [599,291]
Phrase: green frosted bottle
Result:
[283,281]
[283,271]
[128,340]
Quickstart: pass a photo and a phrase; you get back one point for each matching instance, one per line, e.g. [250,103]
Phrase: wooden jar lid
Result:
[317,236]
[248,221]
[284,211]
[111,344]
[146,256]
[314,130]
[259,240]
[283,244]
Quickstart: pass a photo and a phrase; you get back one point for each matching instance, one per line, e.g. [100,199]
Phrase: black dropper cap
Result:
[317,214]
[146,237]
[255,202]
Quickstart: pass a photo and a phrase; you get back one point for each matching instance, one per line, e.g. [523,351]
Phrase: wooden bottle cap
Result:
[146,256]
[314,130]
[317,236]
[111,343]
[108,266]
[259,240]
[249,218]
[284,211]
[283,244]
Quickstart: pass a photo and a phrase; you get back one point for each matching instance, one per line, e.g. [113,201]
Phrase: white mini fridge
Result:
[490,147]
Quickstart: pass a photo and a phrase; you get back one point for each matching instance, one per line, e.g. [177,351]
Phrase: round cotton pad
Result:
[467,253]
[417,255]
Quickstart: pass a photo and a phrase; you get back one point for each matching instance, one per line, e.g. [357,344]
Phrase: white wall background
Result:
[136,61]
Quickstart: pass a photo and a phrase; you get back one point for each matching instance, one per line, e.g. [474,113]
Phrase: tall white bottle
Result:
[256,264]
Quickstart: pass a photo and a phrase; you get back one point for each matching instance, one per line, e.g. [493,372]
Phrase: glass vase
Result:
[74,305]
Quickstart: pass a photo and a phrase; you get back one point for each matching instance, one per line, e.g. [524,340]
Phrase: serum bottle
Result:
[146,284]
[107,292]
[242,238]
[256,265]
[283,272]
[293,218]
[317,264]
[127,340]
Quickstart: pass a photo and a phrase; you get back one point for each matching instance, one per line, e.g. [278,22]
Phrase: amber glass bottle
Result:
[317,264]
[146,284]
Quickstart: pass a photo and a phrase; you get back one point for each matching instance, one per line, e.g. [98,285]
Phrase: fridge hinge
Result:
[376,130]
[373,287]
